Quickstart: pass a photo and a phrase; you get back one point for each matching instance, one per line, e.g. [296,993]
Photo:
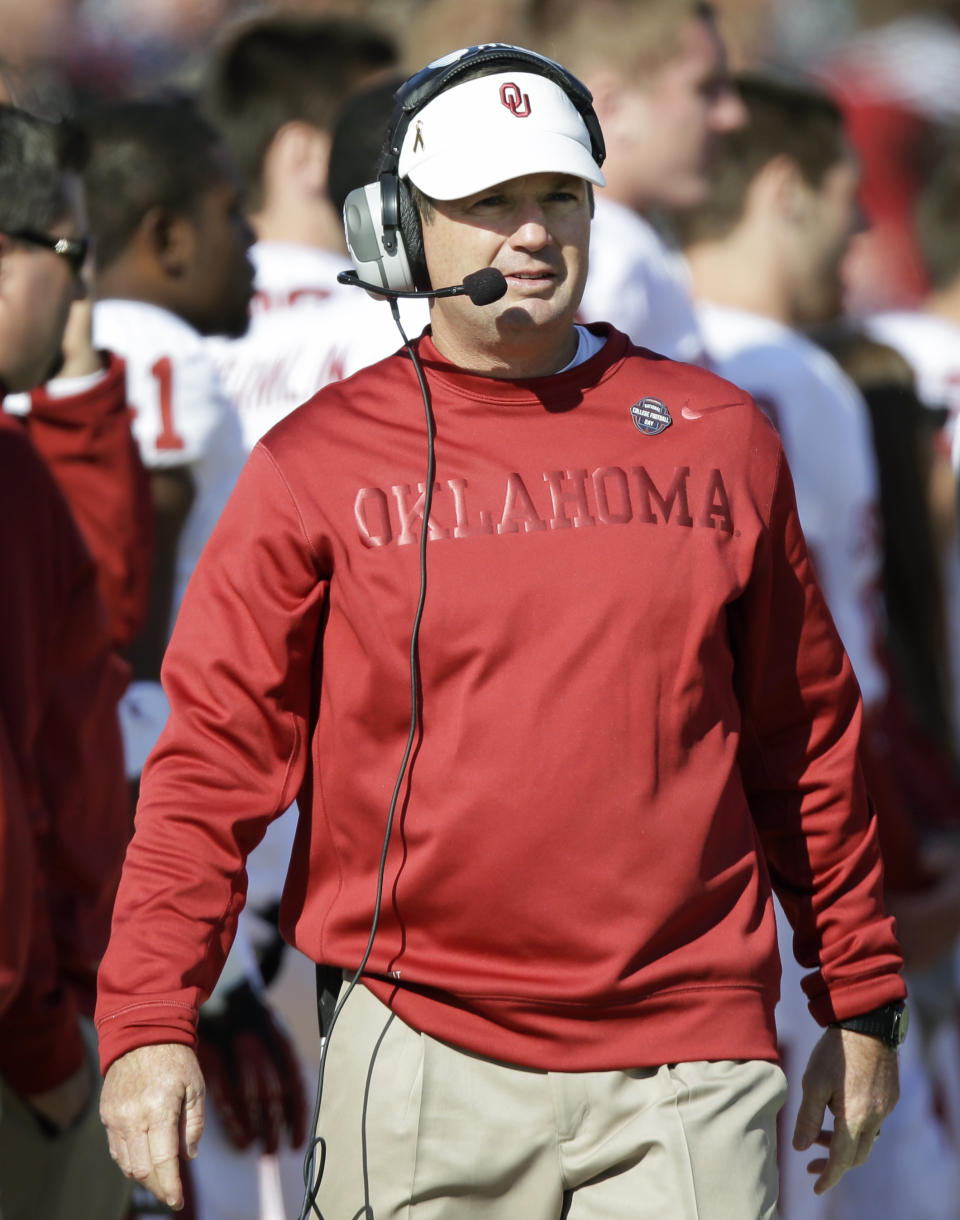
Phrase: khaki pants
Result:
[63,1177]
[415,1128]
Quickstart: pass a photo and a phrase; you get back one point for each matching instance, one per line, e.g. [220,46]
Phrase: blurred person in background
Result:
[896,76]
[919,487]
[434,26]
[658,73]
[81,424]
[274,90]
[171,269]
[928,337]
[59,685]
[765,254]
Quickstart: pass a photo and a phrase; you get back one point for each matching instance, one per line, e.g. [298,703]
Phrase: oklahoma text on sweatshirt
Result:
[636,715]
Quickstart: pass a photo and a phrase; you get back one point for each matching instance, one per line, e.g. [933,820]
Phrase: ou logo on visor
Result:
[516,102]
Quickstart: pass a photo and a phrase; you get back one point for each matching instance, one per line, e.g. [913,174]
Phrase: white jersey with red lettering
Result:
[931,346]
[306,330]
[640,284]
[826,433]
[181,415]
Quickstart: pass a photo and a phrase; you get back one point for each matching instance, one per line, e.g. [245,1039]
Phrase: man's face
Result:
[827,218]
[37,288]
[667,127]
[536,231]
[218,286]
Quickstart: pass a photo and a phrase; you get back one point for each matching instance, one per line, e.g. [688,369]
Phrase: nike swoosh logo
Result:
[690,413]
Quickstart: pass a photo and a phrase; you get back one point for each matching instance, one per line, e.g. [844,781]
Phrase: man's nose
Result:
[531,229]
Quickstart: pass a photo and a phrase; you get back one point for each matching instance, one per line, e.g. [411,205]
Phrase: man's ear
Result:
[169,239]
[298,158]
[777,190]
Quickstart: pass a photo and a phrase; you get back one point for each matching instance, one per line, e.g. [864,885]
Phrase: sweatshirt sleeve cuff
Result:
[854,999]
[147,1023]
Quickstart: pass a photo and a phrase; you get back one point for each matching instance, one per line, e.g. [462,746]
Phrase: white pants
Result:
[416,1128]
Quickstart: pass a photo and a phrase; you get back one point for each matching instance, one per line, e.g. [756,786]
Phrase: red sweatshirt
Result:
[87,442]
[636,713]
[59,686]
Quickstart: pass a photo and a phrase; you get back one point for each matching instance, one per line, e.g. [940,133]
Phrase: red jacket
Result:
[87,443]
[16,875]
[59,686]
[636,714]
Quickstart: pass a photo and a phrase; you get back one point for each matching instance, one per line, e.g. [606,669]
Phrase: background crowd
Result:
[787,215]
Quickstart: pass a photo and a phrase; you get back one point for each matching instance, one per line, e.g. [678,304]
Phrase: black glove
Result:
[252,1073]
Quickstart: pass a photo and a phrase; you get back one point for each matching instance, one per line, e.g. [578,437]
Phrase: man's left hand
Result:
[856,1077]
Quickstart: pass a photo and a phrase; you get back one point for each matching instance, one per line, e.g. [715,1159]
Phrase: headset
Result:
[381,221]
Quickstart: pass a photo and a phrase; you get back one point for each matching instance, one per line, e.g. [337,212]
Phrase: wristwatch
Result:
[888,1023]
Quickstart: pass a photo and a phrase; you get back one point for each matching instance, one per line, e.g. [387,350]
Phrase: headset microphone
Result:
[483,287]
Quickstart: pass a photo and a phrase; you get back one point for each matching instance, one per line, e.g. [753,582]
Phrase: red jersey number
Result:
[168,437]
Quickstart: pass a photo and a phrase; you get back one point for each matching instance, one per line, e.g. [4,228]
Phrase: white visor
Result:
[493,128]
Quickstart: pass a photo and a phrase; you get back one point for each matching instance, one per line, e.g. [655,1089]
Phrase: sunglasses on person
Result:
[72,249]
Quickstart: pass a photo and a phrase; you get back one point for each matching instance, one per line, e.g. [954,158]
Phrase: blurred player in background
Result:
[929,339]
[658,73]
[59,686]
[274,91]
[766,252]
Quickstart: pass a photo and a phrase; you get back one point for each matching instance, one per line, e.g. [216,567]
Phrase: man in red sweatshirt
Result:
[59,686]
[527,625]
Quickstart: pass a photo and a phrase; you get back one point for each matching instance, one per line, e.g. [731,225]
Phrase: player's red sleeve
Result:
[59,686]
[87,442]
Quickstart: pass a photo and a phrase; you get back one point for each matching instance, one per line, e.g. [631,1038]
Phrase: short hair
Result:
[145,154]
[786,118]
[358,137]
[283,69]
[35,154]
[631,35]
[935,221]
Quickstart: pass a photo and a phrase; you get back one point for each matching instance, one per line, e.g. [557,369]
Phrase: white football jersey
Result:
[306,330]
[181,416]
[640,285]
[931,346]
[826,433]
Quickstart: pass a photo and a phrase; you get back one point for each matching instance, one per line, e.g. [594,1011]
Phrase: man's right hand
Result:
[151,1096]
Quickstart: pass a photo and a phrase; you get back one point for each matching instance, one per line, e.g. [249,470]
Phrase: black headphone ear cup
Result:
[411,235]
[379,256]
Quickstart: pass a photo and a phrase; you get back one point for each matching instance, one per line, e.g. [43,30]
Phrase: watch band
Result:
[888,1023]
